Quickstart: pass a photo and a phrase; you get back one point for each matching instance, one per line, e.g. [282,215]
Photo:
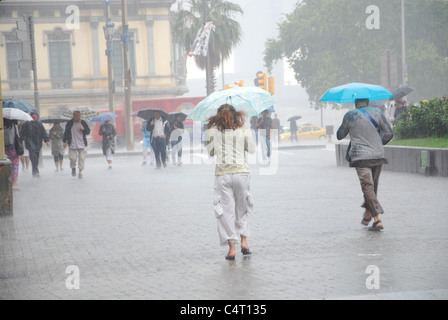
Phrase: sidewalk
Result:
[138,233]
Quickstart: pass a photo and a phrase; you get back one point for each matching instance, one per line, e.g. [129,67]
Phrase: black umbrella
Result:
[295,118]
[401,92]
[54,119]
[173,116]
[148,114]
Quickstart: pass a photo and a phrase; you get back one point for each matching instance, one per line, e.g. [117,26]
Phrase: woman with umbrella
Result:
[108,132]
[11,140]
[177,129]
[57,145]
[232,200]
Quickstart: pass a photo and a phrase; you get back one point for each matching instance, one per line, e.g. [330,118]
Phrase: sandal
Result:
[245,251]
[365,221]
[230,258]
[375,226]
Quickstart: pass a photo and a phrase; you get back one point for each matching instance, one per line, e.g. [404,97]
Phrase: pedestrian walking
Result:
[229,142]
[108,132]
[265,125]
[144,129]
[293,129]
[34,133]
[159,132]
[177,129]
[369,131]
[277,126]
[57,145]
[75,137]
[13,148]
[25,158]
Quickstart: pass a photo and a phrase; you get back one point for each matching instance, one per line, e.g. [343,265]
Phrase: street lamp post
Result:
[109,35]
[403,46]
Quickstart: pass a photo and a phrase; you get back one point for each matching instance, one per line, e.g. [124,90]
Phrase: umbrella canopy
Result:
[54,119]
[148,114]
[16,114]
[173,115]
[86,112]
[401,92]
[20,104]
[348,93]
[103,117]
[295,118]
[250,100]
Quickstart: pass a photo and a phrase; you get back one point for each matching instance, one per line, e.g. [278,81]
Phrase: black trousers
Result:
[34,158]
[159,146]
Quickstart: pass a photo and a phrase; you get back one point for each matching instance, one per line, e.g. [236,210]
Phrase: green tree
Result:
[187,22]
[327,43]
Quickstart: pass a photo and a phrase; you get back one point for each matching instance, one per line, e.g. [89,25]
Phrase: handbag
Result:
[18,145]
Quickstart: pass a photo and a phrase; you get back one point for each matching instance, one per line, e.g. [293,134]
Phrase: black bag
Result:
[18,145]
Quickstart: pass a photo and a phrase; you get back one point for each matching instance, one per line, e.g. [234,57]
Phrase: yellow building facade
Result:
[70,48]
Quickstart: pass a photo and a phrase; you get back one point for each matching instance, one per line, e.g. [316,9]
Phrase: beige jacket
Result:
[230,149]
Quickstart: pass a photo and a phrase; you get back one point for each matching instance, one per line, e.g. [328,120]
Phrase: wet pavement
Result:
[137,233]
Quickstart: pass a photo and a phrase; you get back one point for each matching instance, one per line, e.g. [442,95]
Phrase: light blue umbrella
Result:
[103,117]
[250,100]
[348,93]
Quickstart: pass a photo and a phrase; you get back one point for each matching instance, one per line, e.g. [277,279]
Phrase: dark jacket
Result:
[68,132]
[33,134]
[111,133]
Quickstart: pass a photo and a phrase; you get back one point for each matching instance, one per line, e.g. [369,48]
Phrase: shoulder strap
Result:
[371,119]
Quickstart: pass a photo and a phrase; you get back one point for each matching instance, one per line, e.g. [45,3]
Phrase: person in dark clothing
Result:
[108,132]
[33,133]
[293,129]
[266,125]
[160,131]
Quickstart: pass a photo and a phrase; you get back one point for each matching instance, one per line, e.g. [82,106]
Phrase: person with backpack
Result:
[369,131]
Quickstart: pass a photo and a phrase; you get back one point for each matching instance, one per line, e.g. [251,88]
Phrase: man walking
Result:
[369,131]
[33,133]
[265,125]
[160,130]
[75,137]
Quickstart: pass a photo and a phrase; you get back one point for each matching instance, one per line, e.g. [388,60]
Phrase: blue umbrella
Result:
[103,117]
[20,104]
[348,93]
[250,100]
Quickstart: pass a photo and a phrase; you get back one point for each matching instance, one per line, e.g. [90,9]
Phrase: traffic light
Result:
[239,83]
[261,80]
[271,81]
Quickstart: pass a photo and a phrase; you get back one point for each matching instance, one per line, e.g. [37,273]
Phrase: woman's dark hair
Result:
[227,118]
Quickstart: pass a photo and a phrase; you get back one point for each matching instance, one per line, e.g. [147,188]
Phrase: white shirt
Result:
[158,128]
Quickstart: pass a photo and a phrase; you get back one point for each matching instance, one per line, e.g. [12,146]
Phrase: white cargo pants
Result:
[232,204]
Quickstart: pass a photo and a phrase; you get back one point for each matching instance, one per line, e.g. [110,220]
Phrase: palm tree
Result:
[226,36]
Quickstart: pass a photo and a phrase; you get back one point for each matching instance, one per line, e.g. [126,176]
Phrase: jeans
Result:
[34,157]
[159,145]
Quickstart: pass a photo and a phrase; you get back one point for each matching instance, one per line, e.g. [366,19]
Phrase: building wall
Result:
[154,75]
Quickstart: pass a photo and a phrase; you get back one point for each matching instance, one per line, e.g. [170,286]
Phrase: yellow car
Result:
[306,132]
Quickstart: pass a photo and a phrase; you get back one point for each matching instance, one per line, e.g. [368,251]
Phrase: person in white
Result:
[229,141]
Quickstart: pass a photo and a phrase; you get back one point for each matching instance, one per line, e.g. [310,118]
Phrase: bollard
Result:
[6,198]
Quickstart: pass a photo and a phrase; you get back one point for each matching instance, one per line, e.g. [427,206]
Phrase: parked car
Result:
[306,132]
